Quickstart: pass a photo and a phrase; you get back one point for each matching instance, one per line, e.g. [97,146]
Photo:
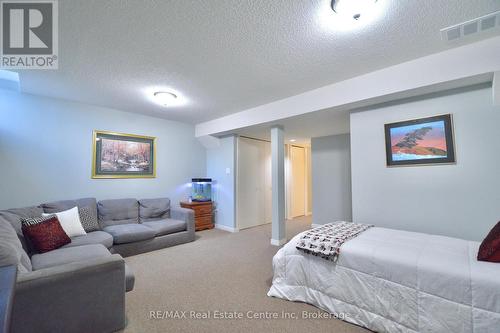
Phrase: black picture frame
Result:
[413,137]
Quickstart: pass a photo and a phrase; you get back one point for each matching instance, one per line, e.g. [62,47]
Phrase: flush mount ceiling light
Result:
[165,98]
[292,140]
[352,8]
[341,16]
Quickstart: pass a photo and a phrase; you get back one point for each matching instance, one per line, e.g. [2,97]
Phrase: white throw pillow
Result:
[70,222]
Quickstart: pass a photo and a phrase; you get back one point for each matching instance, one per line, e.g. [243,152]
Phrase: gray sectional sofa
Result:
[81,286]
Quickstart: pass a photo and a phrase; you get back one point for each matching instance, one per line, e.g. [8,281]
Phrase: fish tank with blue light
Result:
[201,189]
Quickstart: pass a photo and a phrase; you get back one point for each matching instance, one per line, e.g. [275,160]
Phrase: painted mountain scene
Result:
[420,141]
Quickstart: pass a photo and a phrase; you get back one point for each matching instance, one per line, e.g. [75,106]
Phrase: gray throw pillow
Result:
[88,219]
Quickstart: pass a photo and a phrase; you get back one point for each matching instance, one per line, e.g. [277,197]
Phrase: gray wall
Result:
[460,200]
[46,152]
[224,185]
[331,179]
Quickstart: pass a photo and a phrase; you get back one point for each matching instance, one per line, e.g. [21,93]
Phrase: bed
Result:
[396,281]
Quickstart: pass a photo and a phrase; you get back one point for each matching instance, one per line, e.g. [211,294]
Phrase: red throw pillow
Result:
[44,234]
[490,247]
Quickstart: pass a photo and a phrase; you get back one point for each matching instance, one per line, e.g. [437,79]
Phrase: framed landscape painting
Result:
[119,155]
[420,141]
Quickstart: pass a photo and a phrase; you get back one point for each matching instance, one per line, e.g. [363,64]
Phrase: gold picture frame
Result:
[119,164]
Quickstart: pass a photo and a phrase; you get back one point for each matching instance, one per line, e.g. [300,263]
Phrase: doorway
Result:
[254,182]
[297,186]
[254,189]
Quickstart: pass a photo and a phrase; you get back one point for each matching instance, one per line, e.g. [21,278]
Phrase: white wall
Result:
[460,200]
[46,152]
[224,185]
[331,179]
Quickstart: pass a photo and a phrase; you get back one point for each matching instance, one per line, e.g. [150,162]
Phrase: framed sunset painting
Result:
[420,141]
[119,155]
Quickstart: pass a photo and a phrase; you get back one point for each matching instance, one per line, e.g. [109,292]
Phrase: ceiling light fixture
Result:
[292,140]
[165,98]
[352,8]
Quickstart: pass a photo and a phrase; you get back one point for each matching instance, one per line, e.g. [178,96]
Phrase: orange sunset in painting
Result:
[420,141]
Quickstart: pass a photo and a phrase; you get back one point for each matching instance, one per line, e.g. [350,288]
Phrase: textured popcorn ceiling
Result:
[224,56]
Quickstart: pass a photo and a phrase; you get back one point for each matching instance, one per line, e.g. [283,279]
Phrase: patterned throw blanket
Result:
[325,241]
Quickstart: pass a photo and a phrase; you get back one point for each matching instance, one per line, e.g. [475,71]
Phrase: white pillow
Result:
[70,222]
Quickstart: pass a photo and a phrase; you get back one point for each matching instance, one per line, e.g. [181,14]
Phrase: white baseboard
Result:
[226,228]
[278,242]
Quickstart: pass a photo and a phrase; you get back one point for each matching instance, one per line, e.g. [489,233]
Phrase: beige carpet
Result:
[220,271]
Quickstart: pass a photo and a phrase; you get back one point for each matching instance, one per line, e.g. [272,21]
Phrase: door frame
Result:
[289,179]
[238,199]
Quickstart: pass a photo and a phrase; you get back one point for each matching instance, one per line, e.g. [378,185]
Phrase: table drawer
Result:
[202,210]
[204,222]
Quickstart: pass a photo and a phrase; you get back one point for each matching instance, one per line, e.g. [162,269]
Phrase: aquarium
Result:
[201,189]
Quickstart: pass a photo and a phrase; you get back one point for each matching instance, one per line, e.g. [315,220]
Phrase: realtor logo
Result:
[29,34]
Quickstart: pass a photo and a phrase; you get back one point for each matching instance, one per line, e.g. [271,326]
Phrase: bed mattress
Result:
[396,281]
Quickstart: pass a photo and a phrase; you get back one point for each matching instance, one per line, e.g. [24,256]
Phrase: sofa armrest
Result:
[8,276]
[183,214]
[86,296]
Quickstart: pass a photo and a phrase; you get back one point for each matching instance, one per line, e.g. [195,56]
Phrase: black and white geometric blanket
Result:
[325,241]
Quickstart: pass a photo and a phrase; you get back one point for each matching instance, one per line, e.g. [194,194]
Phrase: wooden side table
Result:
[202,214]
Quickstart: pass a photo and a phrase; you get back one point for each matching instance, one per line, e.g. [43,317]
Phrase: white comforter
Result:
[396,281]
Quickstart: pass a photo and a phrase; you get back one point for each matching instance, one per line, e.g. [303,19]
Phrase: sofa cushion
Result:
[11,250]
[68,255]
[14,216]
[89,204]
[59,206]
[166,226]
[44,234]
[128,233]
[119,211]
[154,209]
[94,237]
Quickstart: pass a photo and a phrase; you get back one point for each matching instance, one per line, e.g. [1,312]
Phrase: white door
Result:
[298,180]
[254,183]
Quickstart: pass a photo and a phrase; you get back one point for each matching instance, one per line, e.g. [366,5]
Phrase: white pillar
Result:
[496,88]
[278,185]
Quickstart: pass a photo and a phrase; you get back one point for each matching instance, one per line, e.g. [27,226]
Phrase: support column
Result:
[496,88]
[278,185]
